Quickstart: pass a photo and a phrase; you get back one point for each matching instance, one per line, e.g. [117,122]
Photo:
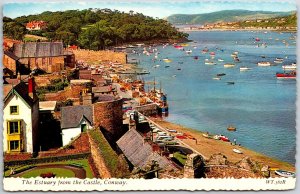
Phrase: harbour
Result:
[253,104]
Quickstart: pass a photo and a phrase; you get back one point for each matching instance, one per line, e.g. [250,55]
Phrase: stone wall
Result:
[99,161]
[91,56]
[108,116]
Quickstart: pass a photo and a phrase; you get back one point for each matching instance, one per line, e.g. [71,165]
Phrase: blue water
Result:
[260,106]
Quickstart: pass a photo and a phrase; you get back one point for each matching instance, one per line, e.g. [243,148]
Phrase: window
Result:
[14,127]
[14,145]
[14,110]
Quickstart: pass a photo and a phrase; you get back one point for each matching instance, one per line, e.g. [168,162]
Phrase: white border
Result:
[16,184]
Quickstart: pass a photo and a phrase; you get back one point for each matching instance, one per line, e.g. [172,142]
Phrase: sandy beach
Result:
[207,147]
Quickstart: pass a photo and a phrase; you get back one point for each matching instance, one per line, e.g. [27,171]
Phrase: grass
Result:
[180,157]
[29,39]
[109,155]
[81,162]
[59,172]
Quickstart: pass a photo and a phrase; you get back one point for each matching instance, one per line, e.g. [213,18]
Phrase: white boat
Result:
[263,64]
[216,78]
[221,60]
[209,63]
[276,61]
[285,173]
[244,68]
[229,65]
[237,151]
[217,137]
[188,51]
[290,67]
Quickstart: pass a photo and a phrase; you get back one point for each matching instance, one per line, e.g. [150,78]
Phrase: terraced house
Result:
[20,118]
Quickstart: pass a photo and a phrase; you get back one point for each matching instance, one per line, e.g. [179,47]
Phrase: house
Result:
[20,118]
[74,120]
[47,56]
[36,25]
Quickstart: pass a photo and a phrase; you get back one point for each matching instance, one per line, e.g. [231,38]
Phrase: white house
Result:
[74,120]
[20,118]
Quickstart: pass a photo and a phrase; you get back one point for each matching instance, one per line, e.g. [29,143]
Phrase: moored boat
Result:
[221,60]
[278,61]
[216,78]
[285,173]
[264,64]
[244,68]
[287,75]
[228,65]
[231,128]
[289,67]
[221,74]
[209,63]
[188,51]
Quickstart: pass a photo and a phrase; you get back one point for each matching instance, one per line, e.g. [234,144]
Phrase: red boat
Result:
[287,75]
[178,47]
[224,138]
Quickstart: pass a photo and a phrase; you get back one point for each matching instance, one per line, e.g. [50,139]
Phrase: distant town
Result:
[276,24]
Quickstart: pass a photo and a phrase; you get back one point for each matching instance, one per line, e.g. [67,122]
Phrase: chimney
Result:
[31,86]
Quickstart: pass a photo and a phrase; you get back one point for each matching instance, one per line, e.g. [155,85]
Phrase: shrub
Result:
[47,175]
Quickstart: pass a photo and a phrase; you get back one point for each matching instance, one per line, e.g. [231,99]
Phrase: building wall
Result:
[9,63]
[108,116]
[35,126]
[48,64]
[70,133]
[26,123]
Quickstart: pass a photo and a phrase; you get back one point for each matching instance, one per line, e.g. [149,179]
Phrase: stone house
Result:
[47,56]
[20,118]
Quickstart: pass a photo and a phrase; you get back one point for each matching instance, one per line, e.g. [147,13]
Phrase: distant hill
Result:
[223,16]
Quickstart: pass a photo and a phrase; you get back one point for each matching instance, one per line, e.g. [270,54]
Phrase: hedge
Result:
[46,159]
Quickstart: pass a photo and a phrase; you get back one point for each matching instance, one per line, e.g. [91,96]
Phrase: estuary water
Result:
[261,107]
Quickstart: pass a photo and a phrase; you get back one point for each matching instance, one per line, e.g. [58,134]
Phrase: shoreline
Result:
[208,147]
[237,29]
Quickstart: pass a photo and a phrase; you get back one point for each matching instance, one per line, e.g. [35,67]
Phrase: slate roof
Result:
[71,116]
[38,49]
[21,90]
[138,152]
[11,55]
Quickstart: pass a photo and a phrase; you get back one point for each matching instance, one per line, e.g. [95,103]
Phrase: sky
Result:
[153,8]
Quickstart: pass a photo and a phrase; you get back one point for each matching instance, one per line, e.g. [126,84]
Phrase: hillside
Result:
[223,16]
[94,29]
[285,21]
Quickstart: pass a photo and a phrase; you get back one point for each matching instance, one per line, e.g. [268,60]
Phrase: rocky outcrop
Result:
[218,159]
